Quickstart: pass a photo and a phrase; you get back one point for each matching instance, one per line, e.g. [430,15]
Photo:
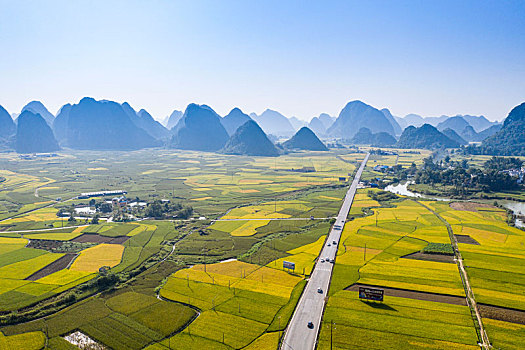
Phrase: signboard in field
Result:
[288,265]
[371,293]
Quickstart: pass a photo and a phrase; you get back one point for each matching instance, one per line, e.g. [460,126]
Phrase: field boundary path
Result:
[310,308]
[471,300]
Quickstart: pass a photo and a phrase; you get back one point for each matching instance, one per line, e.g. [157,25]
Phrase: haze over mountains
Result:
[356,115]
[234,120]
[199,129]
[108,125]
[273,122]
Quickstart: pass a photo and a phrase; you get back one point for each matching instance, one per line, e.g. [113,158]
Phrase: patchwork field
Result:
[240,303]
[495,265]
[123,320]
[371,253]
[252,213]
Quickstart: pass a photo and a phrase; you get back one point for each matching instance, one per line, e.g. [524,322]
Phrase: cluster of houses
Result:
[518,173]
[118,201]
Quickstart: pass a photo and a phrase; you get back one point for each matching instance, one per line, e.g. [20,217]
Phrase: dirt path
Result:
[478,323]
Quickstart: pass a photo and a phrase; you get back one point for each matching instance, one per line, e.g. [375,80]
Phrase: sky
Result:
[301,58]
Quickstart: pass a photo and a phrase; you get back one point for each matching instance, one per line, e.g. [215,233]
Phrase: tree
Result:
[95,220]
[105,208]
[155,210]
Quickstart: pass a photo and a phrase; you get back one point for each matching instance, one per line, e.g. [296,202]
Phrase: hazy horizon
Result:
[301,59]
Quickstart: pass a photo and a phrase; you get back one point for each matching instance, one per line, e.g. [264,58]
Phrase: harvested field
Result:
[95,238]
[466,239]
[430,257]
[55,266]
[502,313]
[410,294]
[471,206]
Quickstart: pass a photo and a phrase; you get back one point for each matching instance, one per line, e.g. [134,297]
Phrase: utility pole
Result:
[331,338]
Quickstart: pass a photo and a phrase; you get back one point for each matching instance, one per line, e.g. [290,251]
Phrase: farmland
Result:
[239,303]
[35,240]
[220,276]
[373,253]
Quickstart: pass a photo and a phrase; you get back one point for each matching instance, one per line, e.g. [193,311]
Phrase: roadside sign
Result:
[371,293]
[289,265]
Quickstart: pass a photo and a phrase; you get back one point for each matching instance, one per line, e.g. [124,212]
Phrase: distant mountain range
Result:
[365,137]
[108,125]
[273,122]
[395,125]
[199,129]
[234,120]
[173,119]
[38,108]
[101,125]
[425,136]
[451,134]
[466,131]
[320,124]
[356,115]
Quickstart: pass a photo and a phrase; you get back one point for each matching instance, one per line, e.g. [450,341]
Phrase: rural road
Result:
[311,305]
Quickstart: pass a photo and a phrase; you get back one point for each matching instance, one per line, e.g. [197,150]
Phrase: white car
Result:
[322,260]
[319,290]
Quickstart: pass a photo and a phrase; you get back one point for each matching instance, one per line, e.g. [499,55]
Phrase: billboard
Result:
[371,293]
[288,265]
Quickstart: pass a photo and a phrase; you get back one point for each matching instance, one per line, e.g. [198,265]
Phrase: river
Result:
[402,189]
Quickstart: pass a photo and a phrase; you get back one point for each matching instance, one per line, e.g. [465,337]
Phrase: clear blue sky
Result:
[299,57]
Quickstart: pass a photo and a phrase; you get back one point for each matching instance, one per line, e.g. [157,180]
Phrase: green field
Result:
[257,211]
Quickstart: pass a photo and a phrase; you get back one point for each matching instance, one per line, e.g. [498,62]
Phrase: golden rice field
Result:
[26,341]
[496,265]
[240,304]
[388,235]
[91,259]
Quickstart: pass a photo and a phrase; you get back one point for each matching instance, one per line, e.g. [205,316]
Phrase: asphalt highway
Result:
[298,335]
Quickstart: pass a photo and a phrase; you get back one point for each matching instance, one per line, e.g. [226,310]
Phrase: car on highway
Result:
[310,325]
[328,244]
[322,260]
[320,290]
[338,227]
[334,242]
